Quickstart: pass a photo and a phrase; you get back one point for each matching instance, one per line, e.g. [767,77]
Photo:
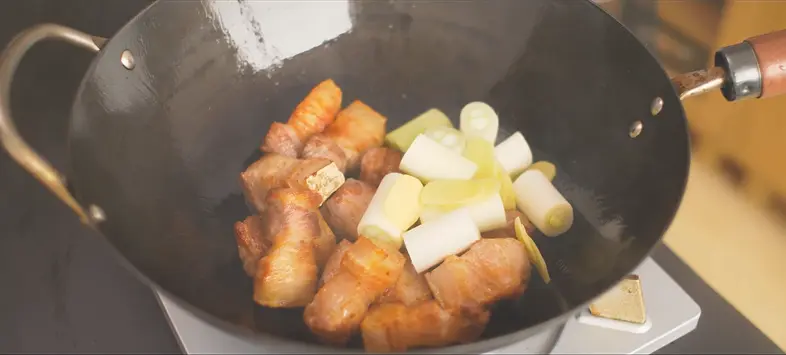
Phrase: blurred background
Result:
[731,227]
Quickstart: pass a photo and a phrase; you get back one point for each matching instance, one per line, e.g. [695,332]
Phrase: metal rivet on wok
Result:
[127,59]
[635,129]
[96,214]
[656,106]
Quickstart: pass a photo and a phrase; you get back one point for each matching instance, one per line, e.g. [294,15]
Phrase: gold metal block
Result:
[624,302]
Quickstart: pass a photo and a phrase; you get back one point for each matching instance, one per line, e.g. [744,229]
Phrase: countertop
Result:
[61,288]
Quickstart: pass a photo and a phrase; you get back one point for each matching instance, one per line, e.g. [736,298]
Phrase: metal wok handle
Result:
[9,137]
[754,68]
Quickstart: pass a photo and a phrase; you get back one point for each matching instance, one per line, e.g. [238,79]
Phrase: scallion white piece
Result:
[430,243]
[448,137]
[394,208]
[428,160]
[479,119]
[514,154]
[540,201]
[487,214]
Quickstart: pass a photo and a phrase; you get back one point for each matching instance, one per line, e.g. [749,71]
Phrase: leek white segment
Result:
[506,188]
[546,168]
[540,201]
[401,138]
[487,214]
[514,154]
[430,243]
[478,119]
[393,209]
[447,136]
[429,160]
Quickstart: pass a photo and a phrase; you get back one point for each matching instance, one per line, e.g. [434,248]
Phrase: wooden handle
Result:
[771,54]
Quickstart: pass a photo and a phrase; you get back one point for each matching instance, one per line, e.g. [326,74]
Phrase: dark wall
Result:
[60,286]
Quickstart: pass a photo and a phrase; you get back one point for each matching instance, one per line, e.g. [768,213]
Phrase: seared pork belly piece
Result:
[410,288]
[378,162]
[275,170]
[311,116]
[357,129]
[324,242]
[340,305]
[252,244]
[264,174]
[322,146]
[491,270]
[333,264]
[395,327]
[344,209]
[287,276]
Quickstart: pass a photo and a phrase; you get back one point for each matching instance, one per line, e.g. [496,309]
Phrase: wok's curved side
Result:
[159,147]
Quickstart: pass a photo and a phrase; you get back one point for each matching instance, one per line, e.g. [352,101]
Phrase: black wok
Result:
[175,105]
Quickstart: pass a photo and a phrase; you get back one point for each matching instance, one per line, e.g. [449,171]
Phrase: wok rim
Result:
[479,346]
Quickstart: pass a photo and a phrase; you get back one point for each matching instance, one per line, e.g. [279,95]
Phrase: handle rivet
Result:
[96,214]
[656,106]
[127,59]
[635,129]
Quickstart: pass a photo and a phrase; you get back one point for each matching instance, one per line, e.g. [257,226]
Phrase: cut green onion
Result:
[478,119]
[488,213]
[452,194]
[428,160]
[401,138]
[447,136]
[546,168]
[506,188]
[394,208]
[514,154]
[540,201]
[481,152]
[430,243]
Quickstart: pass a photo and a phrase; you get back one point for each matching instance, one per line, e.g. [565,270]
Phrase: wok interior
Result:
[160,148]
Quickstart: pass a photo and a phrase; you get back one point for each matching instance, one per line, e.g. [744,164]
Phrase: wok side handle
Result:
[16,146]
[754,68]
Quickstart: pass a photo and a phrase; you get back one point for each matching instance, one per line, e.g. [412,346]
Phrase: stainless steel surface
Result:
[11,139]
[671,313]
[743,73]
